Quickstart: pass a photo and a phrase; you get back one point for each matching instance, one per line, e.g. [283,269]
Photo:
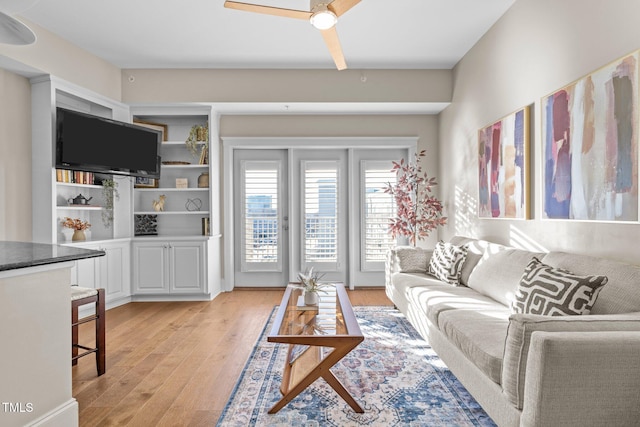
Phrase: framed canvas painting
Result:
[503,167]
[590,146]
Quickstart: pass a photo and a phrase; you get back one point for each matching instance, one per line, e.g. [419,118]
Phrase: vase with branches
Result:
[78,226]
[418,210]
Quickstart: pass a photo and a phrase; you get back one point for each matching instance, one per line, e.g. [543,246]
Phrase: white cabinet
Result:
[111,272]
[162,267]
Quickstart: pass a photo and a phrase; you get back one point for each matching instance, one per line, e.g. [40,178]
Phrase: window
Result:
[261,217]
[377,207]
[320,212]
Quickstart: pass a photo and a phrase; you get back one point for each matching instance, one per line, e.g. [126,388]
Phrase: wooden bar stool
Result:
[81,296]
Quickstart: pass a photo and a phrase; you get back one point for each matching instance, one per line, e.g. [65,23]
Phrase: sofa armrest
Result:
[518,341]
[583,379]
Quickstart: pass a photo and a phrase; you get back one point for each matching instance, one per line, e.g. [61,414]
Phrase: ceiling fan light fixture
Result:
[322,18]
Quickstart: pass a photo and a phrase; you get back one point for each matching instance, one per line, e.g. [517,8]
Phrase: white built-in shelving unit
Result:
[50,197]
[179,255]
[181,261]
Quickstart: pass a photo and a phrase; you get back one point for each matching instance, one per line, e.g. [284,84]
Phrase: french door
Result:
[261,210]
[300,208]
[319,212]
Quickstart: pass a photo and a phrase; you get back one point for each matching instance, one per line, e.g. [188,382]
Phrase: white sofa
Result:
[524,369]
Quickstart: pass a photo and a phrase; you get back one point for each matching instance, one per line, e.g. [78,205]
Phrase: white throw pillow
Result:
[446,262]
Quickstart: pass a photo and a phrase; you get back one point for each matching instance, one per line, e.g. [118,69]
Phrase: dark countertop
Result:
[14,255]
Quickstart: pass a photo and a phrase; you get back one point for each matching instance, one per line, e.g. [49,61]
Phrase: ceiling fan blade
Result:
[330,37]
[268,10]
[340,7]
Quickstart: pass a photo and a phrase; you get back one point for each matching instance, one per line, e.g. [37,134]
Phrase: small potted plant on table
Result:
[310,283]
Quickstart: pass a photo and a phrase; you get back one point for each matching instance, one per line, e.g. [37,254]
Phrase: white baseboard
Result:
[64,415]
[118,302]
[172,297]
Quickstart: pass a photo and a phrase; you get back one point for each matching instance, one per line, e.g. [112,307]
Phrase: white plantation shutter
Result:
[377,207]
[320,213]
[261,221]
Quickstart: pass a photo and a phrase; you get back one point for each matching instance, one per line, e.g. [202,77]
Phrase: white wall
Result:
[259,85]
[15,157]
[537,47]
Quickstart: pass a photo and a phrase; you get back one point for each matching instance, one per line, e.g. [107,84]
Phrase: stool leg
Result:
[100,334]
[74,333]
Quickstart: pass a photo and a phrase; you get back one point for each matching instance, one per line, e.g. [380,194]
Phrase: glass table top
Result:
[332,316]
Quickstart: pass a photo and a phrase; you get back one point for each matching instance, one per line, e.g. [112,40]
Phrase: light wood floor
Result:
[175,363]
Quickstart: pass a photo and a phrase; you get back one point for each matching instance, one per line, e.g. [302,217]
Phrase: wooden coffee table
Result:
[318,337]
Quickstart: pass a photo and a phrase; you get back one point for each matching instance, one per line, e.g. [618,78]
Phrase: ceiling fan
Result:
[323,15]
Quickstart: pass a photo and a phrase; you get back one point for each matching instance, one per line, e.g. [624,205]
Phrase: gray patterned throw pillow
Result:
[555,292]
[412,259]
[446,262]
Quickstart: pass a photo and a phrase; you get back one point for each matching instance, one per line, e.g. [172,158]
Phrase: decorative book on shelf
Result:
[74,177]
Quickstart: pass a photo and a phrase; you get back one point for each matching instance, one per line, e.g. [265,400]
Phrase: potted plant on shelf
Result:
[198,143]
[310,283]
[418,211]
[78,226]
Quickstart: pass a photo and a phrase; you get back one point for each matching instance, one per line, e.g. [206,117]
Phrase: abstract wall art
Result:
[503,167]
[590,146]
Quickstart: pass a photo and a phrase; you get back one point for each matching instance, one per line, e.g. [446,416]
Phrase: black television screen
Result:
[95,144]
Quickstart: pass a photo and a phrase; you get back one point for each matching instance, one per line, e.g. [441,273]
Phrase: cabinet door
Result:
[150,268]
[114,271]
[187,267]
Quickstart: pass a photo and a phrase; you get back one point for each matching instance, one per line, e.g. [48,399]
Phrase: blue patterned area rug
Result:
[393,374]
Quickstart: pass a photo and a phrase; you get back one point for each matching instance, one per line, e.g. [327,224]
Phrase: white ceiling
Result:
[380,34]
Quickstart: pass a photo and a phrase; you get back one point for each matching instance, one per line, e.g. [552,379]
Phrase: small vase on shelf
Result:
[203,180]
[78,236]
[68,234]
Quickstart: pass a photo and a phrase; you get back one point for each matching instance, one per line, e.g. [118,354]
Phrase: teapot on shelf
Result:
[79,200]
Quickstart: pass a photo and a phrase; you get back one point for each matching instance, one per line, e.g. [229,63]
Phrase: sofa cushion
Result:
[498,273]
[518,340]
[555,292]
[479,334]
[475,250]
[622,292]
[411,259]
[403,281]
[446,262]
[435,297]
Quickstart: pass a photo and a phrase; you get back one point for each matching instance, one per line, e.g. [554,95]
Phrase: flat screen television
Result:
[95,144]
